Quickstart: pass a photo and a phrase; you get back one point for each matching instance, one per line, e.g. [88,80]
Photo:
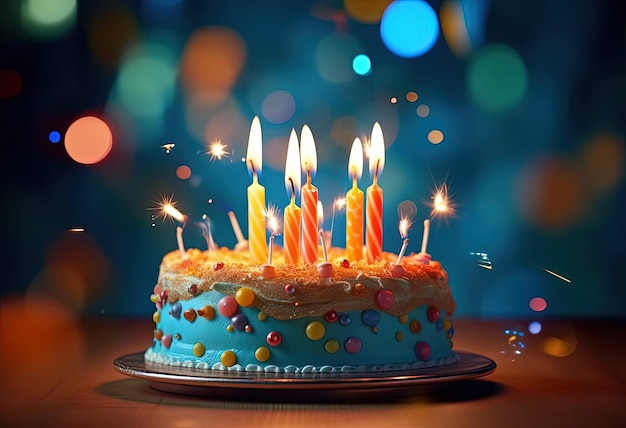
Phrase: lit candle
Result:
[374,202]
[256,195]
[169,209]
[320,220]
[268,269]
[293,214]
[404,233]
[354,205]
[309,196]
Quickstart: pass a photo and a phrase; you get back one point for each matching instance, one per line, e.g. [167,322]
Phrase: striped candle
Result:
[374,201]
[309,197]
[354,205]
[256,196]
[293,214]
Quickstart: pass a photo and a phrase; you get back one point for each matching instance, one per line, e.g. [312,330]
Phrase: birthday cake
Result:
[218,310]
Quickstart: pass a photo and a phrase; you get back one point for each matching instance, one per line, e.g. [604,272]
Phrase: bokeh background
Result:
[518,107]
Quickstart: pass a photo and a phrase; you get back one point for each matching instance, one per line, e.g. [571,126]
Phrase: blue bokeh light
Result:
[54,137]
[409,28]
[362,65]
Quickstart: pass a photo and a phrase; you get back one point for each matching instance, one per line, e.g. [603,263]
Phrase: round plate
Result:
[309,386]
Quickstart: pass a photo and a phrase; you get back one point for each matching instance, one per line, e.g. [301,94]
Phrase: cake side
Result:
[216,311]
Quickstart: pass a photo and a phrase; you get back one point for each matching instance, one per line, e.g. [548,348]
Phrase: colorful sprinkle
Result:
[156,317]
[227,306]
[166,341]
[154,298]
[244,296]
[439,325]
[193,289]
[358,288]
[432,314]
[163,297]
[218,265]
[207,312]
[385,299]
[331,316]
[177,308]
[198,349]
[403,319]
[447,324]
[422,350]
[274,338]
[156,289]
[177,336]
[190,314]
[262,354]
[325,270]
[370,317]
[345,263]
[450,332]
[399,336]
[158,334]
[415,326]
[290,289]
[262,316]
[230,328]
[331,346]
[315,330]
[228,358]
[345,320]
[248,328]
[239,321]
[352,345]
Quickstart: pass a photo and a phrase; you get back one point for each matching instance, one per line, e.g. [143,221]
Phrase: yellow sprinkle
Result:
[228,358]
[262,316]
[403,319]
[262,354]
[156,317]
[399,336]
[315,330]
[244,296]
[198,349]
[331,346]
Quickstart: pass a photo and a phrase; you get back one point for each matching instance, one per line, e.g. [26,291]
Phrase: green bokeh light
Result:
[48,18]
[497,78]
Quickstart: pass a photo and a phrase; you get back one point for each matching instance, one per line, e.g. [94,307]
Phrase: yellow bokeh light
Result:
[454,28]
[602,161]
[559,347]
[88,140]
[435,136]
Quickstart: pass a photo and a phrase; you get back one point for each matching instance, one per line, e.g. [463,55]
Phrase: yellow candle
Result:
[309,197]
[354,205]
[256,196]
[374,201]
[293,214]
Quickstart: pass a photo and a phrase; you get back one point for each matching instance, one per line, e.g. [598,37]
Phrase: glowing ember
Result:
[404,226]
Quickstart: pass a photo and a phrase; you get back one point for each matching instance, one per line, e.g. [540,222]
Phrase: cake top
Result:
[295,291]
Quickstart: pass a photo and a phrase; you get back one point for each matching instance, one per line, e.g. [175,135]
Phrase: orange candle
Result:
[374,202]
[354,205]
[293,214]
[309,197]
[256,196]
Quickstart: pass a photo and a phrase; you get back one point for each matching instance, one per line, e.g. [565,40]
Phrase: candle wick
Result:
[253,168]
[293,188]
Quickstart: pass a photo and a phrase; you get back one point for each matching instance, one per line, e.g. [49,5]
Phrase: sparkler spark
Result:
[561,277]
[441,202]
[166,207]
[404,226]
[272,215]
[217,150]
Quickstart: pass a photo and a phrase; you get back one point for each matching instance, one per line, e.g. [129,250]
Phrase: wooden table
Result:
[76,384]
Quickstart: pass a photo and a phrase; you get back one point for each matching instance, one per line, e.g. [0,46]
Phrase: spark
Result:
[272,215]
[168,147]
[340,203]
[561,277]
[217,150]
[484,261]
[166,207]
[404,226]
[441,202]
[76,229]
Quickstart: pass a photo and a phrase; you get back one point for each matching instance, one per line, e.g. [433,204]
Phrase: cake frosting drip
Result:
[350,288]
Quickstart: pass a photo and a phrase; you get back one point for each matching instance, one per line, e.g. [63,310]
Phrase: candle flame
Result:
[255,150]
[377,151]
[293,173]
[355,164]
[217,150]
[308,153]
[320,215]
[272,220]
[404,226]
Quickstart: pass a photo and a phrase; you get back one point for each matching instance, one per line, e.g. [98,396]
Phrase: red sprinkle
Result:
[331,316]
[345,263]
[218,265]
